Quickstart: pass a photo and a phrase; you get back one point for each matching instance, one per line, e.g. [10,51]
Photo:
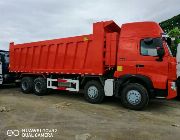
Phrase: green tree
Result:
[174,33]
[171,23]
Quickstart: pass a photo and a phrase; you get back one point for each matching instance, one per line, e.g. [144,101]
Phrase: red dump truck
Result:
[133,62]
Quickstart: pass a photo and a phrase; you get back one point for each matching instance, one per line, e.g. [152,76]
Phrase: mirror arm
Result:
[160,59]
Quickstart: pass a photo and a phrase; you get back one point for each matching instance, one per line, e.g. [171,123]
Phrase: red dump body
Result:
[86,54]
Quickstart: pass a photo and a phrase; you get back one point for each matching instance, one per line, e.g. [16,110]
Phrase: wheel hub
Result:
[134,97]
[92,92]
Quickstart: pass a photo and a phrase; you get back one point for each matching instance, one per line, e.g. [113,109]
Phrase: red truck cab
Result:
[138,60]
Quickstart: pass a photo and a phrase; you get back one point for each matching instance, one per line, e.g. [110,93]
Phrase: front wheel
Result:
[134,96]
[94,92]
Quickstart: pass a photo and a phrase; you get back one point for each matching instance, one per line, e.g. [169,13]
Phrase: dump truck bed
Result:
[86,54]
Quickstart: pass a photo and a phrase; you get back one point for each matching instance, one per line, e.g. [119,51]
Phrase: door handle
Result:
[139,66]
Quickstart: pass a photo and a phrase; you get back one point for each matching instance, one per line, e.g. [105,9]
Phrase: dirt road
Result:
[75,119]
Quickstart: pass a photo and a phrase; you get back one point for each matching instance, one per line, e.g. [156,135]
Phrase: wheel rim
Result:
[92,92]
[38,87]
[134,97]
[24,85]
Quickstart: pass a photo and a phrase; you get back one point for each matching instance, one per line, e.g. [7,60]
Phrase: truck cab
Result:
[145,58]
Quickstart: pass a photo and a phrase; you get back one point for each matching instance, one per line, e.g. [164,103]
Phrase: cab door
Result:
[148,63]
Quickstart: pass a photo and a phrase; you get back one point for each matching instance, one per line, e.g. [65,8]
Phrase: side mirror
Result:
[160,53]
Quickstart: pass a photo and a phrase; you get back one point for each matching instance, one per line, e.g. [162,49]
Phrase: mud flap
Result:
[109,87]
[172,90]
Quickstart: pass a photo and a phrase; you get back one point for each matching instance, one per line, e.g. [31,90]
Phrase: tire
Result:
[27,85]
[134,96]
[40,86]
[94,92]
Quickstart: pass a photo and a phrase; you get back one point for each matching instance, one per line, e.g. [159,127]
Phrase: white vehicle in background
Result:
[178,69]
[5,76]
[1,77]
[178,60]
[1,66]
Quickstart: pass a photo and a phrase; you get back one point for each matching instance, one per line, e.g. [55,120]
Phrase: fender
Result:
[92,77]
[135,78]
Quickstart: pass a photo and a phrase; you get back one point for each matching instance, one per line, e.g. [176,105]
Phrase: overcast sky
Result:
[32,20]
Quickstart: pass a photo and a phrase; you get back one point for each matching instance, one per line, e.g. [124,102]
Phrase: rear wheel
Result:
[94,92]
[27,84]
[134,96]
[40,86]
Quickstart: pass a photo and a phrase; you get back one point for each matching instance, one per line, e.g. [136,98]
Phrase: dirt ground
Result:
[75,119]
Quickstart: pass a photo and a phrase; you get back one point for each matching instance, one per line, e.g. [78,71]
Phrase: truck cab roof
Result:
[141,29]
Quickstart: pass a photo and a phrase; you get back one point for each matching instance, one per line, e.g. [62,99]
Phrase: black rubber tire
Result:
[40,86]
[100,89]
[27,85]
[144,96]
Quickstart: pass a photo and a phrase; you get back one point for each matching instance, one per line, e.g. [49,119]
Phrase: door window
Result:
[149,46]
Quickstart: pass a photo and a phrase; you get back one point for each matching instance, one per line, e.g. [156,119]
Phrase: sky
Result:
[33,20]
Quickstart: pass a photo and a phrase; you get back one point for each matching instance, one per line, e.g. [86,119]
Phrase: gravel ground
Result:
[72,118]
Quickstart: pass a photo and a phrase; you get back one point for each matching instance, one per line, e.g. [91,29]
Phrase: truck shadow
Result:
[8,86]
[154,104]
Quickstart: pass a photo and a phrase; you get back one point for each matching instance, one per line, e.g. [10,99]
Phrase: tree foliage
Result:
[175,33]
[172,28]
[170,24]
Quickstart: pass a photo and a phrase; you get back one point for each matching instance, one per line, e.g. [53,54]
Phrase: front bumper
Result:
[172,90]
